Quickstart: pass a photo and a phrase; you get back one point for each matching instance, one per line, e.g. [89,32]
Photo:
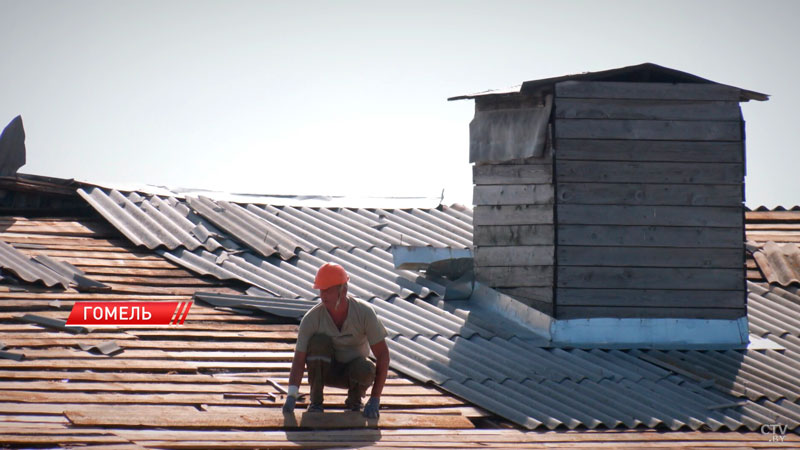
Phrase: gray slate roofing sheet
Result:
[246,227]
[29,269]
[152,222]
[479,356]
[780,263]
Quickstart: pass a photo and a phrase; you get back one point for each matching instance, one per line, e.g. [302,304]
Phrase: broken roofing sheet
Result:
[477,355]
[44,269]
[773,238]
[359,239]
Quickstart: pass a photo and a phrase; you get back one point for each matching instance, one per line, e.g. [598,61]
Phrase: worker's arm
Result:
[381,352]
[295,378]
[298,367]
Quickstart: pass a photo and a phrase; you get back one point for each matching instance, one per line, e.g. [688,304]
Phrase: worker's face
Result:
[333,296]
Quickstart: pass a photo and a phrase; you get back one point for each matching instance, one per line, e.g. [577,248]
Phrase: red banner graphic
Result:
[129,313]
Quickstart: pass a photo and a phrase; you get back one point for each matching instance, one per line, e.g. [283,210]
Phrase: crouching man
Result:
[334,341]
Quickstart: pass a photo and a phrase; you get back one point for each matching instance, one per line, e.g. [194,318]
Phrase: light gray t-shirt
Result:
[360,330]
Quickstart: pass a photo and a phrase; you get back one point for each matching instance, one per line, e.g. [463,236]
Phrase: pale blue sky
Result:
[349,97]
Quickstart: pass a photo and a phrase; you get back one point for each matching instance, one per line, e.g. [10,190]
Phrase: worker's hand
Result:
[372,409]
[288,405]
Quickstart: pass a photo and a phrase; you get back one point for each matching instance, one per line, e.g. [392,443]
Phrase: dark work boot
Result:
[315,407]
[318,363]
[353,401]
[361,374]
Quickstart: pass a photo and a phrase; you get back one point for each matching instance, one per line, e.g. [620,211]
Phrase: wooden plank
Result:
[50,296]
[40,419]
[128,399]
[650,194]
[515,276]
[538,255]
[204,388]
[222,317]
[64,353]
[513,215]
[173,272]
[228,379]
[58,335]
[160,344]
[100,364]
[156,281]
[93,241]
[650,236]
[542,294]
[177,333]
[676,298]
[512,194]
[648,172]
[242,418]
[637,90]
[125,377]
[656,130]
[138,289]
[124,255]
[49,428]
[482,436]
[35,439]
[491,235]
[588,108]
[795,227]
[773,216]
[492,174]
[674,216]
[650,257]
[581,312]
[546,158]
[146,263]
[664,151]
[777,238]
[650,278]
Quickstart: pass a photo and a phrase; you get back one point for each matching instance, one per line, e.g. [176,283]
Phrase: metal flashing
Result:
[419,258]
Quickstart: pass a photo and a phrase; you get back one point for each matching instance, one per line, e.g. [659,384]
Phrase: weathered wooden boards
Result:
[392,438]
[648,191]
[514,235]
[243,418]
[638,211]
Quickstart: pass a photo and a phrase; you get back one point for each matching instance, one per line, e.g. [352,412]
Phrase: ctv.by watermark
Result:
[775,431]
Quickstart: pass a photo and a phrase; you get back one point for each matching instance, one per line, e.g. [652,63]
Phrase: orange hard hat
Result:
[330,274]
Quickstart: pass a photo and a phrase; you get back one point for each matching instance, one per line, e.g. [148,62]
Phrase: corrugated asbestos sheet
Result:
[779,263]
[475,354]
[358,239]
[46,270]
[774,240]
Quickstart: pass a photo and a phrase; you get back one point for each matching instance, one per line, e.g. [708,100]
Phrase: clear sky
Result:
[349,97]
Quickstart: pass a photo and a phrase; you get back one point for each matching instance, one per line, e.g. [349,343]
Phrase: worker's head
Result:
[331,280]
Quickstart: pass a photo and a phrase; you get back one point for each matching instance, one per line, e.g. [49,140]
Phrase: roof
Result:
[493,370]
[774,244]
[647,72]
[217,366]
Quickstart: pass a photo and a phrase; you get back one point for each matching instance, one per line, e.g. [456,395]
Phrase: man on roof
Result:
[334,342]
